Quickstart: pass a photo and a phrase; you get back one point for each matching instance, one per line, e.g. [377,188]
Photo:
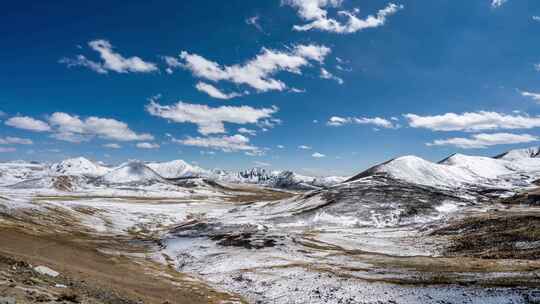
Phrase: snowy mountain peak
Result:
[78,166]
[176,169]
[532,152]
[131,172]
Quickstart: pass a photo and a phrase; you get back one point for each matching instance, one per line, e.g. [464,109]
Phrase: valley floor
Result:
[243,247]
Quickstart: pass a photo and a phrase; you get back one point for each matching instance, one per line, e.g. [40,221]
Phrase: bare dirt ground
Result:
[89,275]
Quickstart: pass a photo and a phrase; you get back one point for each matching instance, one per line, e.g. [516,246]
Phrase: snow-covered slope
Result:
[176,169]
[517,168]
[420,171]
[516,154]
[131,172]
[483,167]
[14,172]
[78,166]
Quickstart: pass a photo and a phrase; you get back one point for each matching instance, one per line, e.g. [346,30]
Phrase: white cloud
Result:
[336,121]
[147,145]
[304,147]
[255,22]
[15,140]
[533,96]
[473,121]
[261,164]
[112,146]
[247,131]
[225,143]
[28,123]
[536,18]
[7,150]
[314,11]
[111,61]
[280,146]
[214,92]
[484,140]
[74,129]
[318,155]
[327,75]
[258,72]
[210,120]
[497,3]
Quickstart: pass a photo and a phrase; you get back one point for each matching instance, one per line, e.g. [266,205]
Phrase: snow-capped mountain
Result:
[79,166]
[133,172]
[176,169]
[514,168]
[275,179]
[532,152]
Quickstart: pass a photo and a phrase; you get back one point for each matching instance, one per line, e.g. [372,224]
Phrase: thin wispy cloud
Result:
[316,14]
[497,3]
[110,60]
[533,96]
[261,164]
[304,147]
[9,140]
[327,75]
[112,146]
[480,141]
[255,22]
[257,73]
[317,155]
[147,145]
[224,143]
[208,119]
[247,131]
[473,121]
[7,149]
[336,121]
[214,92]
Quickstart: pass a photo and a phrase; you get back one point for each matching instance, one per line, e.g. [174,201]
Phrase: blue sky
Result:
[315,73]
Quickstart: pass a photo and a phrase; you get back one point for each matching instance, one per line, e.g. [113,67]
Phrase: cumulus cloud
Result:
[147,145]
[497,3]
[472,121]
[316,13]
[256,73]
[304,147]
[74,129]
[111,60]
[336,121]
[483,140]
[225,143]
[15,140]
[28,123]
[533,96]
[112,146]
[327,75]
[318,155]
[214,92]
[208,119]
[7,149]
